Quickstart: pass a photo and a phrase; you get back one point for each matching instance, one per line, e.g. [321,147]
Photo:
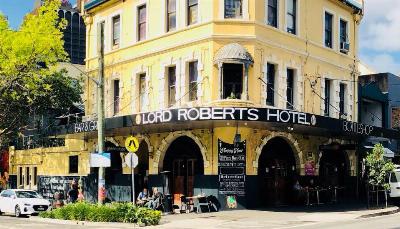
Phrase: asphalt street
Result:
[381,222]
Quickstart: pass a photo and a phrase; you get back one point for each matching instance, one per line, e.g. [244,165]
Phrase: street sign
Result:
[100,160]
[132,144]
[131,159]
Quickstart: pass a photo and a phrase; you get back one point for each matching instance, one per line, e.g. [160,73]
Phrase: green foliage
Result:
[29,80]
[378,167]
[115,212]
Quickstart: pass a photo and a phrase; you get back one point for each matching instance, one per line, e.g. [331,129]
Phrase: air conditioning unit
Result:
[344,47]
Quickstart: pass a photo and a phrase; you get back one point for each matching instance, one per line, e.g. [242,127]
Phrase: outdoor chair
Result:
[185,205]
[202,203]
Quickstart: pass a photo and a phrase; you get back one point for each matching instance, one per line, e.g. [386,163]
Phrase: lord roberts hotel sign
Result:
[225,113]
[267,115]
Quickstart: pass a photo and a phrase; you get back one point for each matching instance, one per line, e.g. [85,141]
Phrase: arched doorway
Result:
[333,168]
[184,160]
[276,172]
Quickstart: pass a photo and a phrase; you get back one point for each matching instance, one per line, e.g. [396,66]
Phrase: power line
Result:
[279,94]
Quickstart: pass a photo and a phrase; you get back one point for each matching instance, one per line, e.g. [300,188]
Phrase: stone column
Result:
[221,80]
[245,93]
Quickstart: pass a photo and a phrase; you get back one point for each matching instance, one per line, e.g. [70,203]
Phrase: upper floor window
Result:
[27,176]
[116,96]
[291,19]
[290,89]
[233,9]
[142,22]
[272,13]
[344,45]
[73,164]
[193,77]
[142,92]
[192,11]
[327,100]
[171,15]
[116,28]
[328,30]
[270,84]
[232,81]
[342,90]
[171,85]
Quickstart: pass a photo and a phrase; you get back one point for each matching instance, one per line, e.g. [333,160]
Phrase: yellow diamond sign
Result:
[132,144]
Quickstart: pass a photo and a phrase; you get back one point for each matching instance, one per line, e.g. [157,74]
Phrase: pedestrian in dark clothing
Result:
[73,192]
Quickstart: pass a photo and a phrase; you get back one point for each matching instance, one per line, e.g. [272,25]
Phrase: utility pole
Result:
[100,109]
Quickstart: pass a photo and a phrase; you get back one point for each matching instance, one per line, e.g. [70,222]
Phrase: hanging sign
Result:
[232,168]
[132,144]
[100,160]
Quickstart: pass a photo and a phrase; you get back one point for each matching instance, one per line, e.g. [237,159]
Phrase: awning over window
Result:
[233,53]
[388,153]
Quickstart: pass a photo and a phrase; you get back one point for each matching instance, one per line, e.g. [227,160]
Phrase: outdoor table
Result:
[335,193]
[317,190]
[193,198]
[198,205]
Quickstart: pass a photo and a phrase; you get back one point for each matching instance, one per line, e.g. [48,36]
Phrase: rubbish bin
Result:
[167,203]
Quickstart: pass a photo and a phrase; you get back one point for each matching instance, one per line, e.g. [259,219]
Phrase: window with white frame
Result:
[233,9]
[272,13]
[343,36]
[327,97]
[193,77]
[290,88]
[142,92]
[116,30]
[142,22]
[291,16]
[192,11]
[342,98]
[328,30]
[271,69]
[116,96]
[171,15]
[171,85]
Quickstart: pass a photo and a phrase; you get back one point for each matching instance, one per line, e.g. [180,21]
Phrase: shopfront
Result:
[245,157]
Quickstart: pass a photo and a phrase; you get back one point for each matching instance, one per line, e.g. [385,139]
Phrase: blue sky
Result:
[379,38]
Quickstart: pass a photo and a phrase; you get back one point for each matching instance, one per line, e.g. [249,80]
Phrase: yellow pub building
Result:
[239,99]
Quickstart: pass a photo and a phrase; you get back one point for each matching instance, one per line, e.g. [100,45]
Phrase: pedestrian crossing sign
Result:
[132,144]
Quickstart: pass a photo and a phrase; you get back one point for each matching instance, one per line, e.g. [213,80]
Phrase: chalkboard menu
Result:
[49,185]
[232,168]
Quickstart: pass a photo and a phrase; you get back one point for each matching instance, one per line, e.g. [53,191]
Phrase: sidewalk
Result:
[249,219]
[281,218]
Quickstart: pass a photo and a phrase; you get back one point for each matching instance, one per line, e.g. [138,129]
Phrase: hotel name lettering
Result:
[226,113]
[85,126]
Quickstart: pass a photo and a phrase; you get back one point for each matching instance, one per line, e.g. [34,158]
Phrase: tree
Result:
[30,84]
[378,168]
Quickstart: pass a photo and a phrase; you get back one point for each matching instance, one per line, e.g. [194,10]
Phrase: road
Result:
[382,222]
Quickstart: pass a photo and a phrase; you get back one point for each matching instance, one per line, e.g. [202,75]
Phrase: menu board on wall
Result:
[232,168]
[49,185]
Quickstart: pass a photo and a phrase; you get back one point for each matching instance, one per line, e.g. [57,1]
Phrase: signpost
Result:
[132,160]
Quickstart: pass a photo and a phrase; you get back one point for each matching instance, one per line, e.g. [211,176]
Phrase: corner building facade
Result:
[237,99]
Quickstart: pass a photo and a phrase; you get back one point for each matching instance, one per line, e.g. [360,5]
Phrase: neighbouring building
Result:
[232,98]
[379,105]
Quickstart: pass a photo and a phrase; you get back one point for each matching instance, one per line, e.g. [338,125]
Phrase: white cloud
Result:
[382,63]
[380,28]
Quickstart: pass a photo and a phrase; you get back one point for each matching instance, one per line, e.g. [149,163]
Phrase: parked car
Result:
[394,181]
[22,202]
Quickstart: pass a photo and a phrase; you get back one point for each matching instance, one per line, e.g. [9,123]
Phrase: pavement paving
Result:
[248,219]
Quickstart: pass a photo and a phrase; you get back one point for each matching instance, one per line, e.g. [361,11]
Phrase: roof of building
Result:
[233,52]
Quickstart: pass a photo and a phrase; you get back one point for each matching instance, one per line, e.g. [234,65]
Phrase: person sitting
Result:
[299,192]
[155,201]
[142,198]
